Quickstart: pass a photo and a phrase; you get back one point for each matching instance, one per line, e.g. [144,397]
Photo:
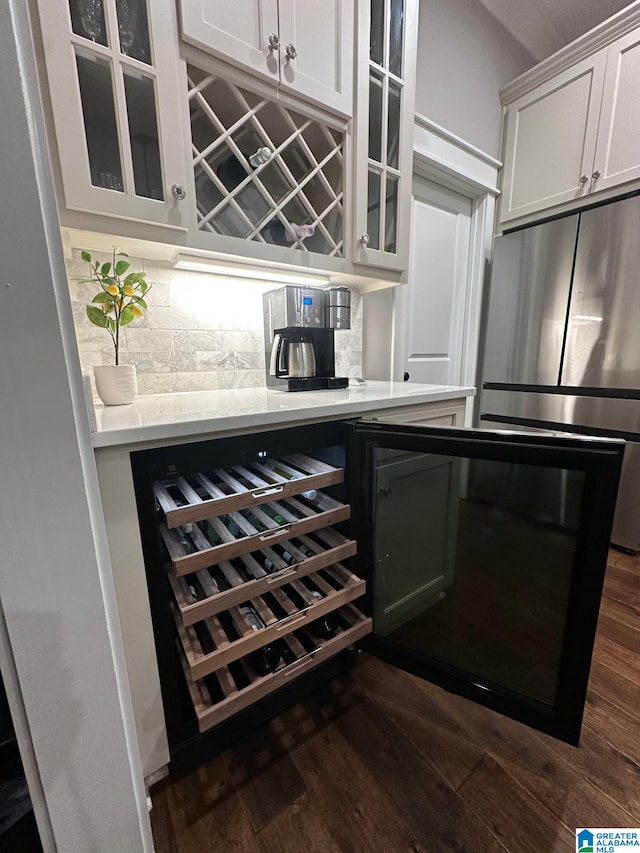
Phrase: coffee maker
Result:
[299,326]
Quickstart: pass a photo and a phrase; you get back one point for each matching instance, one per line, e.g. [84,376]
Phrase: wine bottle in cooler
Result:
[212,534]
[306,550]
[327,625]
[288,557]
[266,659]
[274,514]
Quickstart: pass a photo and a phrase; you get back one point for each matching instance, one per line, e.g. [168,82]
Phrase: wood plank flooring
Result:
[380,761]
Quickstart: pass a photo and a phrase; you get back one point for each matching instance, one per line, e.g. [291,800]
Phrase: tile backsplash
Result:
[202,331]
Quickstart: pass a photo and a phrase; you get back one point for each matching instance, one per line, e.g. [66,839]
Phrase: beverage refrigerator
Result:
[271,556]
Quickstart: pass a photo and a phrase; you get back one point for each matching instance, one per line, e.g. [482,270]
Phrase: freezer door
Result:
[470,585]
[528,301]
[602,335]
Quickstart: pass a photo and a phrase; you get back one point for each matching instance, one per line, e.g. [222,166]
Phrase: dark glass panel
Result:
[395,37]
[143,130]
[474,562]
[98,111]
[391,215]
[393,125]
[133,29]
[376,36]
[373,209]
[87,20]
[375,116]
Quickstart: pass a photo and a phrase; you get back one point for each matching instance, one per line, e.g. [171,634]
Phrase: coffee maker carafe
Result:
[299,345]
[292,355]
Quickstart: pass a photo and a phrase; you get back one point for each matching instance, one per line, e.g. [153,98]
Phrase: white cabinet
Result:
[551,139]
[385,107]
[114,98]
[617,157]
[305,46]
[578,132]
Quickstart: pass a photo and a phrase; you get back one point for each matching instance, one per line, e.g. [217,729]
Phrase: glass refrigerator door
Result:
[486,555]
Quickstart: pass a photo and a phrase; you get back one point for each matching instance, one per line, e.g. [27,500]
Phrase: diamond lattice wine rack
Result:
[290,194]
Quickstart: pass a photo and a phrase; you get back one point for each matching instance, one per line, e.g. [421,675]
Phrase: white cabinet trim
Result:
[444,158]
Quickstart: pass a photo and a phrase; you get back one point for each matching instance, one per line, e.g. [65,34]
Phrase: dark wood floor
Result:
[382,761]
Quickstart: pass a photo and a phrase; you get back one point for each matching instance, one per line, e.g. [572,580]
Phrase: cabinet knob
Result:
[179,192]
[364,239]
[596,174]
[584,179]
[406,377]
[274,42]
[291,52]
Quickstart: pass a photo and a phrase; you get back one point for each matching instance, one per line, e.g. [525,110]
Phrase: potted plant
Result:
[119,300]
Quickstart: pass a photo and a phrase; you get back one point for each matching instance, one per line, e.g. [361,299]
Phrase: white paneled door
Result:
[430,310]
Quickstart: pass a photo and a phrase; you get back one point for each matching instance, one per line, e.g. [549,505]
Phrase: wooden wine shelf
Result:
[220,491]
[211,713]
[190,550]
[201,663]
[336,548]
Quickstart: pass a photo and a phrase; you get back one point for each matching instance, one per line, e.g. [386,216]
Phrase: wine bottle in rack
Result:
[253,521]
[233,527]
[310,495]
[212,534]
[274,514]
[266,659]
[284,235]
[273,464]
[326,626]
[231,171]
[306,550]
[289,558]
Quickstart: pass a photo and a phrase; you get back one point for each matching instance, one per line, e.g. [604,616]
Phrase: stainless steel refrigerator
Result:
[561,341]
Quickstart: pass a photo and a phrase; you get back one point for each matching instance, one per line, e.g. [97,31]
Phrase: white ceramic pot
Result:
[117,385]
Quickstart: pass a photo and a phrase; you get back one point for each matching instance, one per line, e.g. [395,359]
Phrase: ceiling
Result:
[544,26]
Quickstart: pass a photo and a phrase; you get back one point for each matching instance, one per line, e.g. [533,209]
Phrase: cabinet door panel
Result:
[618,149]
[550,140]
[404,480]
[114,114]
[321,34]
[386,55]
[238,31]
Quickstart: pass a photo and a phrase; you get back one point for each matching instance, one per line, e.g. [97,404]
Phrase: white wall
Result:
[465,56]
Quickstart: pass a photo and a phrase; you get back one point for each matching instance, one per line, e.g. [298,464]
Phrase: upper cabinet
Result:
[114,97]
[227,128]
[304,46]
[551,139]
[385,108]
[576,133]
[617,157]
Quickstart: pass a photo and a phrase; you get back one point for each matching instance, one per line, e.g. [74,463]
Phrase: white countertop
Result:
[192,413]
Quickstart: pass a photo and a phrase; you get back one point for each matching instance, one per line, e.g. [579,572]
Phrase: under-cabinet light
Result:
[182,262]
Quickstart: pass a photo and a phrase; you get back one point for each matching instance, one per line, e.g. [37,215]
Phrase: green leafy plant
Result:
[120,298]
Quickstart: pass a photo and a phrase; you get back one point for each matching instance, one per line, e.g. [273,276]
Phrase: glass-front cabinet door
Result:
[387,45]
[111,69]
[485,561]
